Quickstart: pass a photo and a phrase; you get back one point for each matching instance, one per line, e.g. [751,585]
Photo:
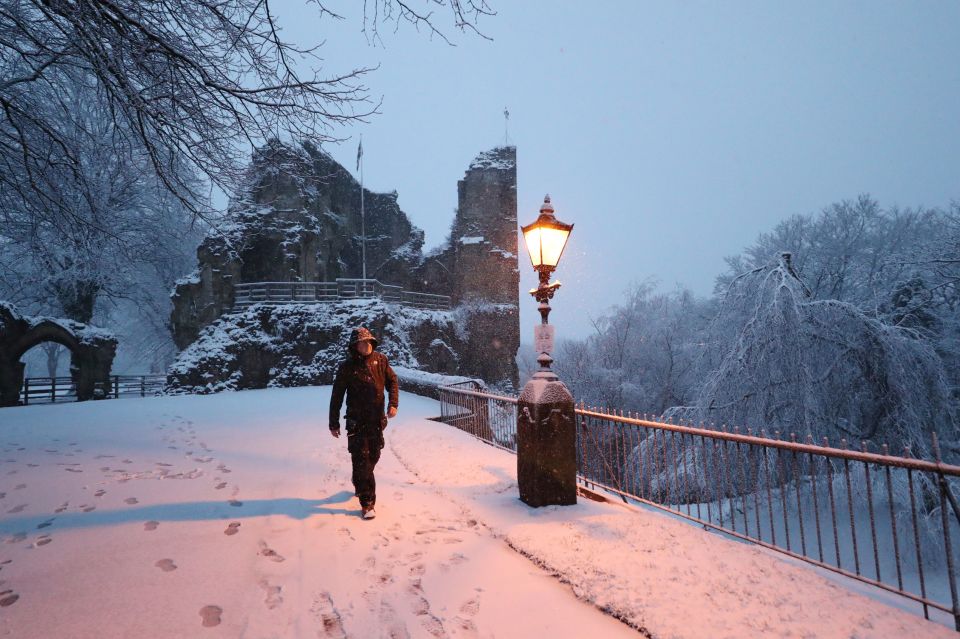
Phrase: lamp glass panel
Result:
[552,242]
[532,238]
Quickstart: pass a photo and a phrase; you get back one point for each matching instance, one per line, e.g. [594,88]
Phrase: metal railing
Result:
[275,293]
[48,390]
[889,521]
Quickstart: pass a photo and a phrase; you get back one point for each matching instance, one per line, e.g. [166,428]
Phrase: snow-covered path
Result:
[232,515]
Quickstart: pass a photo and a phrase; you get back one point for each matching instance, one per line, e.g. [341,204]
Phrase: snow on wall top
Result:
[83,333]
[434,379]
[495,159]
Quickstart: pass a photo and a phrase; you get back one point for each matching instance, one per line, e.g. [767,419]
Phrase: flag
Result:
[359,153]
[506,113]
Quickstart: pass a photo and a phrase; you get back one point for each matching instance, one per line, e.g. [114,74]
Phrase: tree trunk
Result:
[77,298]
[52,350]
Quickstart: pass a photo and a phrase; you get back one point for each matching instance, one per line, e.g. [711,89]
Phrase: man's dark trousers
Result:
[364,441]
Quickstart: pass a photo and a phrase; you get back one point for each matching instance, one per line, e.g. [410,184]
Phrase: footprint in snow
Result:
[324,611]
[269,553]
[454,560]
[395,627]
[151,525]
[211,615]
[273,599]
[232,528]
[166,565]
[464,620]
[8,598]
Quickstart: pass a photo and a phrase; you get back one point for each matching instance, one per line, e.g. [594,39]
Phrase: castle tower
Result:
[485,268]
[484,234]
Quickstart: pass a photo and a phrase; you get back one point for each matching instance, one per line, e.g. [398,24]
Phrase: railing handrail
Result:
[341,288]
[912,463]
[839,453]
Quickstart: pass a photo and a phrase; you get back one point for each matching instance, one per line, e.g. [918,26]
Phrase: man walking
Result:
[363,376]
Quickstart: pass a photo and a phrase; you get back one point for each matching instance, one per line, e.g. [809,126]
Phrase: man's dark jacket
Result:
[363,379]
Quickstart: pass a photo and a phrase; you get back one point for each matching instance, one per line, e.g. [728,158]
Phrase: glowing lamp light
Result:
[546,238]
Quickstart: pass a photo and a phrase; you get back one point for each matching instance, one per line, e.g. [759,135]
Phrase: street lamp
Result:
[546,422]
[545,240]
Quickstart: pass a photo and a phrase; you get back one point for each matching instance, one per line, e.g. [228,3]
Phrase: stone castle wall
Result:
[300,221]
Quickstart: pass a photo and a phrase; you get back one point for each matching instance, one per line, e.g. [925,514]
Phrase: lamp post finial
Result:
[546,208]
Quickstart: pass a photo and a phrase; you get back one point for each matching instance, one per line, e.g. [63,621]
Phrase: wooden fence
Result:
[47,390]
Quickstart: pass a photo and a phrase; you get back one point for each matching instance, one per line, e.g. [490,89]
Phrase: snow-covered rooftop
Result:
[233,515]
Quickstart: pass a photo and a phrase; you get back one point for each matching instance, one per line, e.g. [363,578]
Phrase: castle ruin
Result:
[300,221]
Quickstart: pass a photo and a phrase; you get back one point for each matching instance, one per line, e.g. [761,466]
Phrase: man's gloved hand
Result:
[392,412]
[335,431]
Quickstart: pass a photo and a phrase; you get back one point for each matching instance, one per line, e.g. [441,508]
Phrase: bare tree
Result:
[190,82]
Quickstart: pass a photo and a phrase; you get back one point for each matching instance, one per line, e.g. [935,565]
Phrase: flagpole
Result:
[506,120]
[363,222]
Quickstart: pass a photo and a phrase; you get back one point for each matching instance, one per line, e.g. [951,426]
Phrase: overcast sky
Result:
[670,134]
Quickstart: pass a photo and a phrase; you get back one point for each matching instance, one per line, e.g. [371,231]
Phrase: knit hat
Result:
[361,334]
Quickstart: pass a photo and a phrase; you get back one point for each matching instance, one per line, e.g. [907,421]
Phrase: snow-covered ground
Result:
[232,515]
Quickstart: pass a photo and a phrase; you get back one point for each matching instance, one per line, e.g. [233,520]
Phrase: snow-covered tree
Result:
[112,246]
[821,368]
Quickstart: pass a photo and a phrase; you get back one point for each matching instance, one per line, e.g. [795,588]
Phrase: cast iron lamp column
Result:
[546,422]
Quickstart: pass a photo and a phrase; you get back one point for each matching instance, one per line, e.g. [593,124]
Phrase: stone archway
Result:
[91,352]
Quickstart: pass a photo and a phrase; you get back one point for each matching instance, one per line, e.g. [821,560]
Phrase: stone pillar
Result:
[90,370]
[546,444]
[11,381]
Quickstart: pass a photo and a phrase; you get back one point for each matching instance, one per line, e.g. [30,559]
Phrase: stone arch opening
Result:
[91,353]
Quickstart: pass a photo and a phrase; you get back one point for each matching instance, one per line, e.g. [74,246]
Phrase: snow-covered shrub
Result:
[302,344]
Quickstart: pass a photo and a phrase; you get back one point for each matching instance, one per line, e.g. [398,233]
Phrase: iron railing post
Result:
[948,549]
